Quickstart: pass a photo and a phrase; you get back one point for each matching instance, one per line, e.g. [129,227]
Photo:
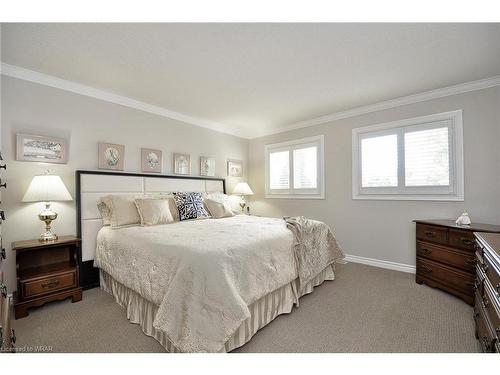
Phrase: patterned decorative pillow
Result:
[190,205]
[103,205]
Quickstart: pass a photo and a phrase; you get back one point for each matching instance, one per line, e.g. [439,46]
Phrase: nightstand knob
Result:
[3,254]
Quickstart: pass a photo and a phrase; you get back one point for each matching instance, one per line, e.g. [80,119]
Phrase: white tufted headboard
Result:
[91,185]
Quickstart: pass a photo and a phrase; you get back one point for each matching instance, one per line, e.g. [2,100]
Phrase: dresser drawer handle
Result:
[51,284]
[430,234]
[486,344]
[470,262]
[475,313]
[485,302]
[466,241]
[484,267]
[473,285]
[425,251]
[425,269]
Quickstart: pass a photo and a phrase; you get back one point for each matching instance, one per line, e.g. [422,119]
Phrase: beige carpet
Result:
[366,309]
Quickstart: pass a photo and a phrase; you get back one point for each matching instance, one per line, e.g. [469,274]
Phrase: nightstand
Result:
[46,271]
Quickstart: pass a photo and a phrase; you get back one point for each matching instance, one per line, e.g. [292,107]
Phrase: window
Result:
[295,169]
[414,159]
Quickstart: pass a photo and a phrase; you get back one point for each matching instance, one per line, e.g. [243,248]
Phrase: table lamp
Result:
[47,188]
[242,189]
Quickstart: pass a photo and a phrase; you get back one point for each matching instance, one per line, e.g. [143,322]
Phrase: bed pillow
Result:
[190,206]
[154,211]
[232,200]
[173,207]
[123,211]
[103,205]
[218,209]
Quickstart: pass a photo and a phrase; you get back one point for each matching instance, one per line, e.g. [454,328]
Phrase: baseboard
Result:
[381,263]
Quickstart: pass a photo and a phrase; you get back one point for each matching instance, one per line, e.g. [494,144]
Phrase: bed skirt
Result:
[262,312]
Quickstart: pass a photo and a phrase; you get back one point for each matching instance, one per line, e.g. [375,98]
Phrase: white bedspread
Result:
[202,274]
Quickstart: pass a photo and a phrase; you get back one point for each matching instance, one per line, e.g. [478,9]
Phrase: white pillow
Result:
[219,209]
[123,211]
[232,200]
[154,211]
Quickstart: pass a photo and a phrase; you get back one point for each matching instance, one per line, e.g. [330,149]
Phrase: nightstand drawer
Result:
[49,284]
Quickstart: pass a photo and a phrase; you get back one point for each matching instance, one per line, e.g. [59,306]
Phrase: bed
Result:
[200,285]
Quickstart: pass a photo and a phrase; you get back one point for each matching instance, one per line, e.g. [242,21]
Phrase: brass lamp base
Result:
[47,216]
[243,203]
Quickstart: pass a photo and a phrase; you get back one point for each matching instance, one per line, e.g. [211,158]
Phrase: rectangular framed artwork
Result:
[234,168]
[207,166]
[42,149]
[182,163]
[111,156]
[151,160]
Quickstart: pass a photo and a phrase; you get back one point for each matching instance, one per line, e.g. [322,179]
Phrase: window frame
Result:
[291,192]
[452,192]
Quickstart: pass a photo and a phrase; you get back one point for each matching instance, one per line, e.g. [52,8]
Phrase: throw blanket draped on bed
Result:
[314,247]
[204,274]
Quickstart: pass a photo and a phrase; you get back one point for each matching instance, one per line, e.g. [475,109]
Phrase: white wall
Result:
[383,229]
[37,109]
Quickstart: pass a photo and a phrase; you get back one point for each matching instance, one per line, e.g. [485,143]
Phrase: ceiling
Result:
[257,78]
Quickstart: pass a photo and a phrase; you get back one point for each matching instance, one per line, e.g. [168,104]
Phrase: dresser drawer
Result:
[49,284]
[484,332]
[462,239]
[492,306]
[431,233]
[492,273]
[479,280]
[447,256]
[454,278]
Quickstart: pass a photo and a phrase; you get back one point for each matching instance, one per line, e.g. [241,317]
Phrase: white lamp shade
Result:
[46,188]
[242,188]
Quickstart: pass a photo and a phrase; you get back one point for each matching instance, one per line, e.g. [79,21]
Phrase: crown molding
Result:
[388,104]
[81,89]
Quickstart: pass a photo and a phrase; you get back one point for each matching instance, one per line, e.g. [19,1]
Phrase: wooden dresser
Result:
[446,256]
[487,300]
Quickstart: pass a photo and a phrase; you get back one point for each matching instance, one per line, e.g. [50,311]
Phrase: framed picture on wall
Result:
[40,148]
[234,168]
[151,160]
[207,166]
[182,163]
[111,156]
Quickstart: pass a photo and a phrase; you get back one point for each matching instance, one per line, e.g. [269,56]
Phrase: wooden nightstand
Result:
[46,271]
